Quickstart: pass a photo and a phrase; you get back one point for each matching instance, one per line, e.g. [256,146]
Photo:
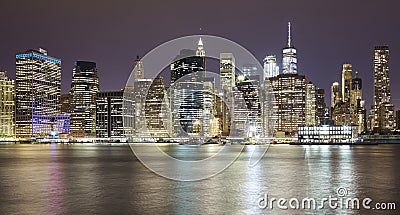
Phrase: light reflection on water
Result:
[96,179]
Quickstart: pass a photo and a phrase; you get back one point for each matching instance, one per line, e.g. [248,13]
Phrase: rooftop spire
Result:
[289,35]
[200,49]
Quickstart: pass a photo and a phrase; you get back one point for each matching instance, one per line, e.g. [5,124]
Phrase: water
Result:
[104,179]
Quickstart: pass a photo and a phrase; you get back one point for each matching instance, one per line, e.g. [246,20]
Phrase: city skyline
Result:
[339,24]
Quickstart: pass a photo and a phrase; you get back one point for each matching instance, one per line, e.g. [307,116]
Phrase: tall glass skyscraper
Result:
[7,106]
[289,56]
[38,80]
[84,88]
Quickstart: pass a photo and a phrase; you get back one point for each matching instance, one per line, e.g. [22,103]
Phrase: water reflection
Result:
[92,179]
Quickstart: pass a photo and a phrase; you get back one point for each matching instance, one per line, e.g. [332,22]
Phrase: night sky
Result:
[112,33]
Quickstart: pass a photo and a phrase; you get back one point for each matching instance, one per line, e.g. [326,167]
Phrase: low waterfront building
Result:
[328,132]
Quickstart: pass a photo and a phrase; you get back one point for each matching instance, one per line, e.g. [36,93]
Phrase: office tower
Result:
[84,88]
[315,105]
[336,94]
[289,56]
[227,72]
[251,72]
[347,76]
[251,119]
[109,114]
[156,110]
[356,92]
[128,110]
[141,89]
[383,109]
[311,106]
[65,103]
[38,90]
[398,119]
[271,68]
[289,91]
[7,106]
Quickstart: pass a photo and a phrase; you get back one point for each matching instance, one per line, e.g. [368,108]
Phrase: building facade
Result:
[271,68]
[7,106]
[289,91]
[38,91]
[84,89]
[383,108]
[109,114]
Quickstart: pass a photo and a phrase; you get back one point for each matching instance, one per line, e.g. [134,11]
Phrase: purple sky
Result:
[112,33]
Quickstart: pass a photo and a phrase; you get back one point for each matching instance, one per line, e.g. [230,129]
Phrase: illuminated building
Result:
[38,90]
[398,119]
[227,72]
[289,56]
[271,69]
[383,109]
[252,121]
[311,106]
[350,110]
[190,111]
[84,88]
[336,95]
[141,88]
[327,133]
[250,72]
[7,107]
[347,75]
[157,119]
[109,114]
[289,91]
[227,83]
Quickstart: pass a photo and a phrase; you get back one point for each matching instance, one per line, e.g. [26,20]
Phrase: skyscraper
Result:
[289,56]
[227,72]
[383,108]
[336,95]
[289,91]
[109,114]
[187,92]
[156,109]
[315,105]
[311,106]
[84,88]
[271,69]
[249,90]
[347,75]
[7,106]
[38,80]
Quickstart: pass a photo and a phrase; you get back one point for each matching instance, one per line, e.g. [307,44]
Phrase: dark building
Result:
[65,103]
[109,114]
[186,63]
[84,88]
